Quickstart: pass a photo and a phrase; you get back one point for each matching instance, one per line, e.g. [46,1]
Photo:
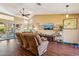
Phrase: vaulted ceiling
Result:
[44,8]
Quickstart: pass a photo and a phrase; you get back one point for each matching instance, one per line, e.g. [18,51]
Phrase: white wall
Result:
[3,10]
[72,35]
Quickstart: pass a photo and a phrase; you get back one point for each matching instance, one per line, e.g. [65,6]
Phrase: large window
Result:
[6,17]
[2,28]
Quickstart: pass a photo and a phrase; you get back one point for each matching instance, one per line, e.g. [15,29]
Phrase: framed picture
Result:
[70,23]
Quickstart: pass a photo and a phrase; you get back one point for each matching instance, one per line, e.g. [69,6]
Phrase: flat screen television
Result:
[48,26]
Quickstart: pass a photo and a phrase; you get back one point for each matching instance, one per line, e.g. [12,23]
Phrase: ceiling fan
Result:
[23,13]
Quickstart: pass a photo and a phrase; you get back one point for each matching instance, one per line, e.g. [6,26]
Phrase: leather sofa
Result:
[33,42]
[18,35]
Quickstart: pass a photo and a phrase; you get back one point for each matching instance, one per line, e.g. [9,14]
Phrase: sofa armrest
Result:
[43,47]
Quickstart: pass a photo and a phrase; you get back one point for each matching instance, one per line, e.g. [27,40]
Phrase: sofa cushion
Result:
[43,38]
[39,40]
[25,41]
[29,43]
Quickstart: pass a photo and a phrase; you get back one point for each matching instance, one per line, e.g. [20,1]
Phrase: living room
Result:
[39,29]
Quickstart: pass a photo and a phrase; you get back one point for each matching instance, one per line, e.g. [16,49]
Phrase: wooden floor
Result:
[11,48]
[8,47]
[59,49]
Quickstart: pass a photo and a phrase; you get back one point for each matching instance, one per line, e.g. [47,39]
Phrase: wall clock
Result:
[70,23]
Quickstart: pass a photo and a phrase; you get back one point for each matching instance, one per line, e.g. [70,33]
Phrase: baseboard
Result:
[71,43]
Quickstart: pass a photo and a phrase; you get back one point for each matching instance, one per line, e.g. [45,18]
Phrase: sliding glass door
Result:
[7,31]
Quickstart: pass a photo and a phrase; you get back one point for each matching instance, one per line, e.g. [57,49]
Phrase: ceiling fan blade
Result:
[23,10]
[17,14]
[27,15]
[20,12]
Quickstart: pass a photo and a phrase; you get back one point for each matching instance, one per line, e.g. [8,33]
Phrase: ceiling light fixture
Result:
[39,4]
[67,15]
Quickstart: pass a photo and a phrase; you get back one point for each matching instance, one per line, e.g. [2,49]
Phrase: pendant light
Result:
[67,15]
